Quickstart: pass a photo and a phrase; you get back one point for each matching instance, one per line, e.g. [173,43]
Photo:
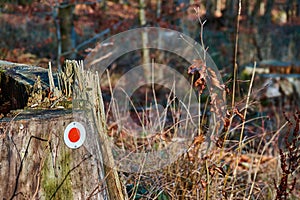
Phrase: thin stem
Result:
[247,104]
[235,69]
[235,66]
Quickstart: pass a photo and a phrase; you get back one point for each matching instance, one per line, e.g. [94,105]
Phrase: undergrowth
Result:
[246,161]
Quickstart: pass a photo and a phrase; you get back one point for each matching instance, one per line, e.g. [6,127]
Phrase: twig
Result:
[235,66]
[101,58]
[244,117]
[50,75]
[93,39]
[202,23]
[235,69]
[102,182]
[247,104]
[261,155]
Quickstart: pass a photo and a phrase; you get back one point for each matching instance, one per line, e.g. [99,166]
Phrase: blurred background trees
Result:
[37,31]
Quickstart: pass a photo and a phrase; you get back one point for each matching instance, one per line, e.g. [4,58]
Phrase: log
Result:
[36,164]
[16,82]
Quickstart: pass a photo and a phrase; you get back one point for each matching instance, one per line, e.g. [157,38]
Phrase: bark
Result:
[67,31]
[268,9]
[16,82]
[230,7]
[210,9]
[36,164]
[88,90]
[255,10]
[230,13]
[34,161]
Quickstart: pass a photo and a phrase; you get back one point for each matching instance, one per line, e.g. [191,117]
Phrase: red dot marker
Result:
[74,135]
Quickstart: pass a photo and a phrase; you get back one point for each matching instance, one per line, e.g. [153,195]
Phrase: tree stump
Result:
[36,164]
[34,161]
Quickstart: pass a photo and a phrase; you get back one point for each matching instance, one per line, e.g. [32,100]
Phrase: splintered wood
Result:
[87,96]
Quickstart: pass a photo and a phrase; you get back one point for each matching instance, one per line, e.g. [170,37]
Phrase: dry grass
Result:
[246,161]
[247,167]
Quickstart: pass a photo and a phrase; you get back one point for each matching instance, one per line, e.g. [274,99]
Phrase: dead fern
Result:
[289,159]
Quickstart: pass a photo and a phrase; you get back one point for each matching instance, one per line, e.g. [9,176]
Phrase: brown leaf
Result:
[203,184]
[220,171]
[214,79]
[226,121]
[198,140]
[237,112]
[200,84]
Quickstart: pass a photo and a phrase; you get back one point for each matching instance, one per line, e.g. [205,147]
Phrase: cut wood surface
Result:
[36,164]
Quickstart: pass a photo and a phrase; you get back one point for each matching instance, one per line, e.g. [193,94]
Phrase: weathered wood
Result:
[16,81]
[87,93]
[34,159]
[36,164]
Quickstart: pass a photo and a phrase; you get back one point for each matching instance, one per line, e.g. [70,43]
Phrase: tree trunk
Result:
[210,8]
[268,9]
[218,11]
[230,7]
[158,8]
[255,10]
[68,35]
[146,51]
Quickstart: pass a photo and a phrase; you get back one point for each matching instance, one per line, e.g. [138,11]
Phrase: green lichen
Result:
[56,182]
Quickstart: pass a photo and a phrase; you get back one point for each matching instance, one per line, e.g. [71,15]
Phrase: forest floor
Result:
[266,166]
